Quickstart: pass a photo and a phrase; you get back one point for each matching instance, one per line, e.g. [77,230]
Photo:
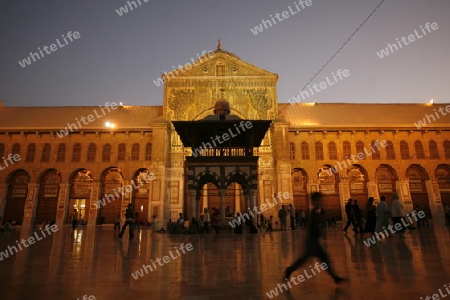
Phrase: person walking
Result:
[269,224]
[397,213]
[357,213]
[371,216]
[282,214]
[350,216]
[129,222]
[292,215]
[382,215]
[313,246]
[74,219]
[302,217]
[421,221]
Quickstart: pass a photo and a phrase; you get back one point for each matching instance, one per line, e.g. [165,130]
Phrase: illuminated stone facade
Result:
[55,174]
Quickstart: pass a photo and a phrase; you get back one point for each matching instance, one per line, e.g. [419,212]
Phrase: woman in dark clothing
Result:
[371,216]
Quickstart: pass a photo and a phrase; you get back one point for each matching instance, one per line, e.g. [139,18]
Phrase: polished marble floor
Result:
[71,264]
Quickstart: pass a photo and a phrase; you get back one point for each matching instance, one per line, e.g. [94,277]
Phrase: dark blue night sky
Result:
[117,58]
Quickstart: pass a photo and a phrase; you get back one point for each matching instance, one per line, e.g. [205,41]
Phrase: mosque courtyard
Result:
[93,263]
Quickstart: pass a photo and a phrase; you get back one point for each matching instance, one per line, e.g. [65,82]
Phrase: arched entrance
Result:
[48,196]
[141,194]
[386,179]
[442,175]
[328,185]
[16,196]
[207,192]
[357,179]
[417,176]
[299,189]
[111,190]
[80,195]
[234,198]
[209,196]
[238,184]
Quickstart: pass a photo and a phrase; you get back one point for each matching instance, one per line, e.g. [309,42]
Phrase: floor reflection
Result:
[73,263]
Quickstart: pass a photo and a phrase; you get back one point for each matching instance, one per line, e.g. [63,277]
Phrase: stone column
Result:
[205,197]
[402,188]
[247,201]
[237,200]
[125,198]
[93,209]
[344,195]
[3,195]
[30,205]
[253,204]
[193,199]
[63,202]
[434,199]
[372,188]
[222,204]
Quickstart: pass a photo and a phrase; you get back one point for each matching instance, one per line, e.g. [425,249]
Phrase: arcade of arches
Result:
[296,154]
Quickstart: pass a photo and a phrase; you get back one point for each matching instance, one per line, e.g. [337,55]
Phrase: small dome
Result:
[222,107]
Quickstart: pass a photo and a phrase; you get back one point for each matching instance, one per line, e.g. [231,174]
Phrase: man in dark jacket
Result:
[350,216]
[129,222]
[313,246]
[282,214]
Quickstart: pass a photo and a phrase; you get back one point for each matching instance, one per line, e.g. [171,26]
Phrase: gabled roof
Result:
[373,115]
[57,118]
[208,60]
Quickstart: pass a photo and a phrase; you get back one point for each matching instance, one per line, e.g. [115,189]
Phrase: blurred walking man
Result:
[313,247]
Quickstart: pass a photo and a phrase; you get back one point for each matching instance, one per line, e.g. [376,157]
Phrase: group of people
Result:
[205,222]
[297,217]
[377,218]
[355,216]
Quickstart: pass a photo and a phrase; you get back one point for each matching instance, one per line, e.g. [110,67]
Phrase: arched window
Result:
[420,154]
[332,151]
[45,156]
[360,149]
[375,149]
[404,150]
[92,151]
[346,149]
[121,153]
[148,151]
[390,153]
[135,151]
[106,153]
[319,151]
[15,149]
[76,152]
[434,153]
[31,153]
[447,149]
[305,151]
[61,154]
[291,151]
